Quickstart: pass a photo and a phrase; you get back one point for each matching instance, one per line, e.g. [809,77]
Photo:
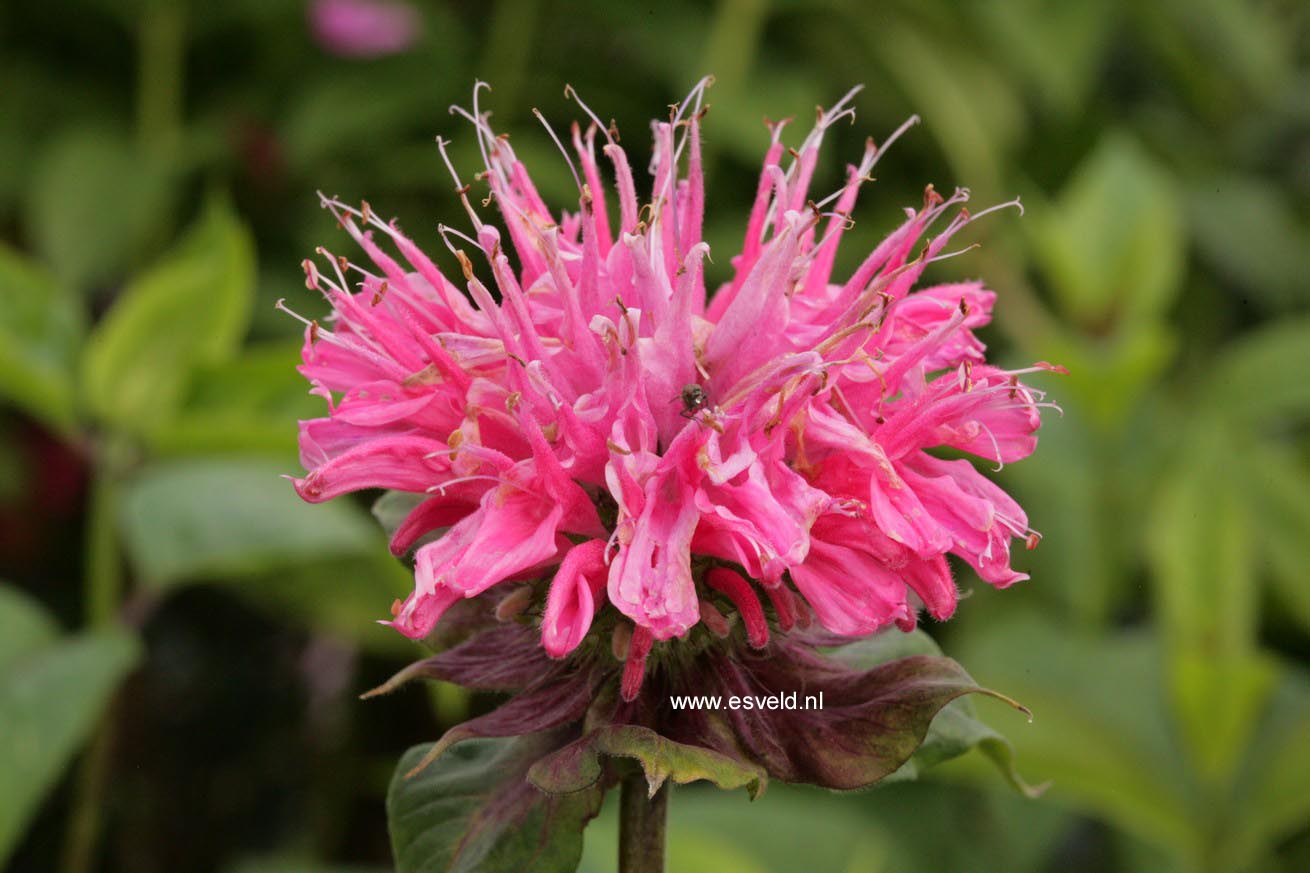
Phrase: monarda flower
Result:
[364,28]
[625,487]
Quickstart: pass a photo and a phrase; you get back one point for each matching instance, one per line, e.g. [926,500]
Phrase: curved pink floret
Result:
[584,406]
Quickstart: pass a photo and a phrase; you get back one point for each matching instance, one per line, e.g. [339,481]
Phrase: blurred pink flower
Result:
[601,422]
[364,28]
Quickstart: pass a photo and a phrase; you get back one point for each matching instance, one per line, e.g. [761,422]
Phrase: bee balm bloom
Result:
[582,418]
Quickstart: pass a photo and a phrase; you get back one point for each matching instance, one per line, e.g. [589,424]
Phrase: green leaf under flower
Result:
[473,810]
[578,765]
[955,730]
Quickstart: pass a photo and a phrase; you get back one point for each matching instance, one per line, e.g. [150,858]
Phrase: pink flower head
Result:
[581,415]
[363,28]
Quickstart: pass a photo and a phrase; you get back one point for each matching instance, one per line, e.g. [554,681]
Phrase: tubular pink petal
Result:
[574,598]
[588,391]
[738,590]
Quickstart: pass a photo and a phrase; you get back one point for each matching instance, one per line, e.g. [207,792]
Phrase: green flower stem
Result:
[102,592]
[83,837]
[642,821]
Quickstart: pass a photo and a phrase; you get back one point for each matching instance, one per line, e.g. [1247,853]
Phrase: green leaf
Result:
[94,204]
[577,766]
[52,692]
[188,520]
[1228,56]
[1112,246]
[868,652]
[393,507]
[1108,376]
[1101,730]
[1057,49]
[967,105]
[1269,800]
[955,730]
[1248,229]
[474,810]
[41,324]
[189,309]
[1260,378]
[248,404]
[239,524]
[1217,701]
[1200,547]
[24,624]
[1277,488]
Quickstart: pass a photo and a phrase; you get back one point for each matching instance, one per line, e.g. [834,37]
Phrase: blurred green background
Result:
[181,641]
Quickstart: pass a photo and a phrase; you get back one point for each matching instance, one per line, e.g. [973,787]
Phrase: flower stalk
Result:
[643,818]
[103,588]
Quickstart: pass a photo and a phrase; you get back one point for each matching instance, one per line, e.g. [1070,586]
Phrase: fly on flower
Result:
[694,399]
[527,402]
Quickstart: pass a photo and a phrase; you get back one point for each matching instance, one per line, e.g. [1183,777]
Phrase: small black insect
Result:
[693,399]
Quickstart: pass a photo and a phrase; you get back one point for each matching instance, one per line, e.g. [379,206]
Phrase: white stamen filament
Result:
[559,145]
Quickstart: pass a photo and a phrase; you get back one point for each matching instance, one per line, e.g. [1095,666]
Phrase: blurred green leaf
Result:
[1277,487]
[24,625]
[1200,545]
[1068,492]
[393,507]
[1259,378]
[51,693]
[1225,53]
[239,524]
[41,324]
[473,810]
[94,204]
[248,404]
[1269,800]
[1218,700]
[1100,729]
[1247,228]
[969,108]
[189,309]
[189,520]
[1057,48]
[1112,244]
[1108,376]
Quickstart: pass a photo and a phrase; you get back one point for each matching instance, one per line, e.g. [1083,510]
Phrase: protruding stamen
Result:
[571,93]
[559,145]
[460,188]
